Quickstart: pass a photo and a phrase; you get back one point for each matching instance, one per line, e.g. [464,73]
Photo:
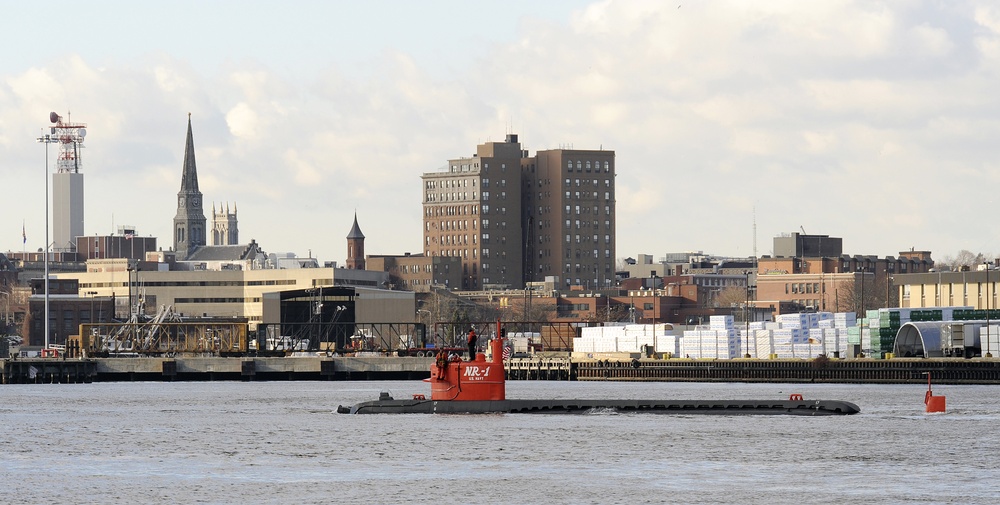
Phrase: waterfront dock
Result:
[874,371]
[869,371]
[52,370]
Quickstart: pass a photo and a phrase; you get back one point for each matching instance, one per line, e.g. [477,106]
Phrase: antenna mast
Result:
[70,137]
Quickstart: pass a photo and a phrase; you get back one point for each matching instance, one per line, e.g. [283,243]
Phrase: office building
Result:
[514,219]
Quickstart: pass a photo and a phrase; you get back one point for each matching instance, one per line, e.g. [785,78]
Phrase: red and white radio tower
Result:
[70,137]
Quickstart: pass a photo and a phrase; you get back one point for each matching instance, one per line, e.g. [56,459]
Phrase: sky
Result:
[733,122]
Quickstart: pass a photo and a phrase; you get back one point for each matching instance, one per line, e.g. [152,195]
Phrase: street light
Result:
[861,312]
[424,336]
[746,312]
[988,353]
[861,302]
[888,284]
[92,294]
[47,139]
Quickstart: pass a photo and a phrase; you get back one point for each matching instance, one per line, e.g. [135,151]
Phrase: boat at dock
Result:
[478,386]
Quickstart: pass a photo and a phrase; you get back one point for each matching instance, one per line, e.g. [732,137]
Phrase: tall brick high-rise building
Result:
[569,201]
[512,218]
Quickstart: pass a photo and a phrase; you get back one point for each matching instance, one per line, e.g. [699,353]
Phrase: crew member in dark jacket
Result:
[472,344]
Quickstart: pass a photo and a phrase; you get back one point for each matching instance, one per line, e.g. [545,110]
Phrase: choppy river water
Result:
[282,442]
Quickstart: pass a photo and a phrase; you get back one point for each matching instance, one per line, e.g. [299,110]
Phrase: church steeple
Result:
[189,222]
[356,247]
[189,178]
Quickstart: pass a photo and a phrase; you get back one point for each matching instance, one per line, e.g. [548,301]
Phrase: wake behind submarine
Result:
[479,387]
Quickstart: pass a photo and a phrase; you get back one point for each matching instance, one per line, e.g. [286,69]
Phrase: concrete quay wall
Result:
[46,370]
[871,371]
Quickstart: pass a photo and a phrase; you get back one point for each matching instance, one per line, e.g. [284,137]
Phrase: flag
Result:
[24,234]
[128,236]
[506,352]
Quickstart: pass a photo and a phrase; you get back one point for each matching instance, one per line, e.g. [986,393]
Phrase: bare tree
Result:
[849,295]
[618,312]
[622,263]
[731,296]
[964,258]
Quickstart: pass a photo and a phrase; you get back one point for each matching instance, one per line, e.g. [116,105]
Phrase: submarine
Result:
[478,386]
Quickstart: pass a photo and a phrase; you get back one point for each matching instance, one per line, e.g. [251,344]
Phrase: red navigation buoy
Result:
[933,403]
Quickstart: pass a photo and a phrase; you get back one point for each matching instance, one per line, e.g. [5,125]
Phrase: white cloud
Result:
[168,79]
[932,41]
[800,108]
[242,120]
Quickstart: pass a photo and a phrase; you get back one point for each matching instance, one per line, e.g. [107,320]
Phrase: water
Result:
[282,442]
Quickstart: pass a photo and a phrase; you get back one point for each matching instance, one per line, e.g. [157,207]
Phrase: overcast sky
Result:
[877,122]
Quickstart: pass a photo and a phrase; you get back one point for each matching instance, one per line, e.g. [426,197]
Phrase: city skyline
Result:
[733,123]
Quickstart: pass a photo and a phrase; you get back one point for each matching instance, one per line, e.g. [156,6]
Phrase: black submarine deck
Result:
[802,407]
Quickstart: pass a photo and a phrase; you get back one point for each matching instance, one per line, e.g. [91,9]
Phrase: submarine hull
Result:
[723,407]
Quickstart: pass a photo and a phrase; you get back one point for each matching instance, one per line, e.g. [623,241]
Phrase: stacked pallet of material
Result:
[598,339]
[638,335]
[668,343]
[791,335]
[989,340]
[845,319]
[831,340]
[630,338]
[762,344]
[883,324]
[581,344]
[803,336]
[798,320]
[708,343]
[659,338]
[721,323]
[854,335]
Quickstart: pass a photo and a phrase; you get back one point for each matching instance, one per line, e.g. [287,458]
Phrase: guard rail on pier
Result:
[538,369]
[900,370]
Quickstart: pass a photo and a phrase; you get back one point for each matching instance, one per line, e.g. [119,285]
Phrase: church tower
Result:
[189,223]
[225,229]
[356,247]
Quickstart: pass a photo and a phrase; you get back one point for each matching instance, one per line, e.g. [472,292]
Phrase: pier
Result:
[868,371]
[360,368]
[54,370]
